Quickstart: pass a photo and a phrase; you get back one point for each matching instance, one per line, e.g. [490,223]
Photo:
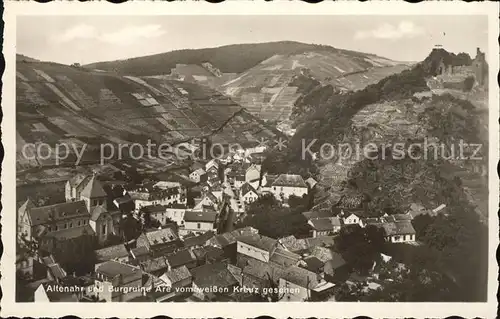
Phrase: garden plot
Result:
[63,97]
[75,92]
[44,76]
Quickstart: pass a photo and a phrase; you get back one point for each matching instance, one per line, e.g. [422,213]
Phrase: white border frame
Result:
[235,310]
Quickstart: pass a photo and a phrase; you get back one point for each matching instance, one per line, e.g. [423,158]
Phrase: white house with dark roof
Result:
[248,193]
[353,219]
[288,184]
[325,226]
[199,222]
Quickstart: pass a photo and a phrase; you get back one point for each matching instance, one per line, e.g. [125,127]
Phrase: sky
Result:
[87,39]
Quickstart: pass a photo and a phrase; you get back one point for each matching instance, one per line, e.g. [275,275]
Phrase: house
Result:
[399,232]
[325,226]
[260,275]
[208,200]
[159,241]
[57,228]
[208,276]
[311,182]
[199,222]
[197,174]
[299,284]
[288,184]
[111,279]
[248,194]
[256,246]
[177,190]
[155,266]
[49,291]
[117,252]
[148,195]
[353,219]
[253,173]
[184,257]
[175,212]
[291,243]
[213,163]
[209,254]
[176,280]
[125,203]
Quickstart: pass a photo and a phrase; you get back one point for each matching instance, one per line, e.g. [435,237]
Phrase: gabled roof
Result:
[301,277]
[325,224]
[112,252]
[181,258]
[284,258]
[246,188]
[113,269]
[199,240]
[155,264]
[317,214]
[93,189]
[70,233]
[204,216]
[290,180]
[209,252]
[177,274]
[258,241]
[314,264]
[161,236]
[58,212]
[211,275]
[398,228]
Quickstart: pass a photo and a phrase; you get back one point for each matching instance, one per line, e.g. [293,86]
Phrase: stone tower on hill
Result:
[480,67]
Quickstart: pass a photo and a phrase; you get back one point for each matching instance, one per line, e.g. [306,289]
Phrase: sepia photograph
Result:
[271,159]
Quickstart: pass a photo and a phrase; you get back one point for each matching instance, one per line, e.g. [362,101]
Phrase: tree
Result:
[360,246]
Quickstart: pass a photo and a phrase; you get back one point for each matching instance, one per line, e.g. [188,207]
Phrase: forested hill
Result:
[235,58]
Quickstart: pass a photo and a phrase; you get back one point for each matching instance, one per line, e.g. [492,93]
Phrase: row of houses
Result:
[398,228]
[163,266]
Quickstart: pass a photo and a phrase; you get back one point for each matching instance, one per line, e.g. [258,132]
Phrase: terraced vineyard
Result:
[266,90]
[58,103]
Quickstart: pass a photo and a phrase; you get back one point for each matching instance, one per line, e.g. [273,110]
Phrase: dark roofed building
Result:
[116,252]
[284,258]
[155,266]
[181,258]
[160,241]
[210,275]
[112,274]
[198,241]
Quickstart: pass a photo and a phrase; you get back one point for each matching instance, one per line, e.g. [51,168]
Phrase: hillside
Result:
[382,174]
[234,58]
[271,88]
[387,113]
[63,104]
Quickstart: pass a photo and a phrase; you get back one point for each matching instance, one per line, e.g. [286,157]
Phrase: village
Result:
[179,239]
